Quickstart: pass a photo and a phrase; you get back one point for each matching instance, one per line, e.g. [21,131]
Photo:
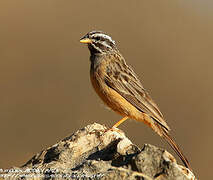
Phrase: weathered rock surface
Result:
[96,152]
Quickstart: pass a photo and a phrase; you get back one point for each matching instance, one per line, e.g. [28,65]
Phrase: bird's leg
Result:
[119,122]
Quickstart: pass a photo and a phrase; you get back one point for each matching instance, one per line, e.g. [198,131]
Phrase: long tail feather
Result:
[175,147]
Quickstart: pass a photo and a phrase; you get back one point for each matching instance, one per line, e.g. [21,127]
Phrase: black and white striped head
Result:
[98,42]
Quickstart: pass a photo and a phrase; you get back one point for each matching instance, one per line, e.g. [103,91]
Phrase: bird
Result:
[119,87]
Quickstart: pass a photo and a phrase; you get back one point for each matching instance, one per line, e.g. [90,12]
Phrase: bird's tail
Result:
[175,147]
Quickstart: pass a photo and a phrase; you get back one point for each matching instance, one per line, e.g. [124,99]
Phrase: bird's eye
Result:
[98,38]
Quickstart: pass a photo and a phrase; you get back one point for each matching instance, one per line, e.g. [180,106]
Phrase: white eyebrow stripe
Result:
[103,36]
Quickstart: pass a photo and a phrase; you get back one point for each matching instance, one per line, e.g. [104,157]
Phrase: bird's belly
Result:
[114,100]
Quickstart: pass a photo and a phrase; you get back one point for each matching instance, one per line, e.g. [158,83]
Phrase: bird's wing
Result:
[124,81]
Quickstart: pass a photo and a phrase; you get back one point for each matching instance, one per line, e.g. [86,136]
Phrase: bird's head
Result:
[98,42]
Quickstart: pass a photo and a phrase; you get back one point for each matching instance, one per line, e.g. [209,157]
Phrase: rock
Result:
[96,152]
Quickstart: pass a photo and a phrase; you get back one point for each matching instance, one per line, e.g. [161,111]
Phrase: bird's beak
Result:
[85,40]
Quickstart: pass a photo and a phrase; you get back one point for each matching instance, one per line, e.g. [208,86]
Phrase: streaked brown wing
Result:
[125,82]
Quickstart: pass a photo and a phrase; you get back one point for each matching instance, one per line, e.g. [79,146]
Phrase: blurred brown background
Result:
[45,90]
